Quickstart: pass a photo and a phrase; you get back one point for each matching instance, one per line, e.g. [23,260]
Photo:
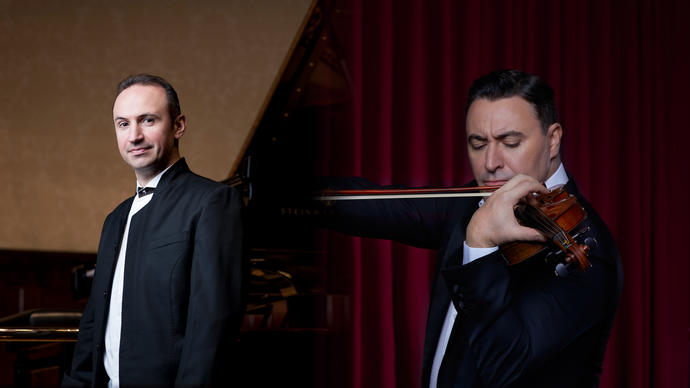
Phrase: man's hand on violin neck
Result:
[494,223]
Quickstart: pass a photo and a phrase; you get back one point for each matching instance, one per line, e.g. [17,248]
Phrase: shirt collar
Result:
[154,182]
[559,178]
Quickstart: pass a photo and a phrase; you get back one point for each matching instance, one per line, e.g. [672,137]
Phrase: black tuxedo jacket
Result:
[182,301]
[517,326]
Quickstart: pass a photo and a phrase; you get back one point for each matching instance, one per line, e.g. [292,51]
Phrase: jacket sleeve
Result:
[417,222]
[216,302]
[81,373]
[513,327]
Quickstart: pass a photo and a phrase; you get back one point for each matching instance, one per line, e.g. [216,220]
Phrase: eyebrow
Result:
[510,134]
[141,116]
[475,137]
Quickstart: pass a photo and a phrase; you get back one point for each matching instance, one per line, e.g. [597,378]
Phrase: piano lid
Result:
[282,148]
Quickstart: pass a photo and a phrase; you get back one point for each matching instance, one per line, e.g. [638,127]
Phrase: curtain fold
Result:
[620,71]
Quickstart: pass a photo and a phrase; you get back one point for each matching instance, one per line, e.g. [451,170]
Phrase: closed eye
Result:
[476,142]
[478,146]
[512,139]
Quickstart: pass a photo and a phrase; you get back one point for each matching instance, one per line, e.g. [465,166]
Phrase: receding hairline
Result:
[173,101]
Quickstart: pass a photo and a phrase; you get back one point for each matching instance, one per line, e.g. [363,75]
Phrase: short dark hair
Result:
[148,79]
[510,83]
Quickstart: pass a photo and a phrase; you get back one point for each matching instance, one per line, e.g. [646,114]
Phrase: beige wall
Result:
[60,170]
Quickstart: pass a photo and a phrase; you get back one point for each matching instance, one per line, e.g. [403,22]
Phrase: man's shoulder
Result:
[196,183]
[124,206]
[193,188]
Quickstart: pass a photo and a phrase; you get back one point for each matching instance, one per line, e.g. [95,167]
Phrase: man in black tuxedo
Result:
[166,301]
[490,324]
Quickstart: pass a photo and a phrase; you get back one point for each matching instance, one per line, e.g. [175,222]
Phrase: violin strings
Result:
[539,220]
[546,224]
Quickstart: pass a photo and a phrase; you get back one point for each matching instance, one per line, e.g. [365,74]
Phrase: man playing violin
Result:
[491,324]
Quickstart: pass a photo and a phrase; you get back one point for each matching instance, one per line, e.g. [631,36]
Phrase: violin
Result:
[555,215]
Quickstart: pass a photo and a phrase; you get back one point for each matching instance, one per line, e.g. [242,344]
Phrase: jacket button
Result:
[98,347]
[105,294]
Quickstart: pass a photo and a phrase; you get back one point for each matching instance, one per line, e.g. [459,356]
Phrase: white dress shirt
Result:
[469,254]
[111,357]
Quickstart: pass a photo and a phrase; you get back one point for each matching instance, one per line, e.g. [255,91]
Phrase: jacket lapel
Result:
[107,258]
[440,299]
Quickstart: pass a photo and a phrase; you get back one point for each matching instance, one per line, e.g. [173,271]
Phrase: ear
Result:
[179,126]
[554,134]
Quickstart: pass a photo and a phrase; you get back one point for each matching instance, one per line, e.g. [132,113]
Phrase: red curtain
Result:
[620,71]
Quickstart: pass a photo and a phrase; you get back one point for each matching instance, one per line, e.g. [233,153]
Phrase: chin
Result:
[140,165]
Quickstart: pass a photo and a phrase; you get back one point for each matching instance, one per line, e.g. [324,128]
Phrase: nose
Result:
[493,158]
[135,134]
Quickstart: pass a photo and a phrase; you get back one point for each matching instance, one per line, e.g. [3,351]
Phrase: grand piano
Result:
[297,327]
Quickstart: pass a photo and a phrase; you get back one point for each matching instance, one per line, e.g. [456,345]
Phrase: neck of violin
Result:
[532,217]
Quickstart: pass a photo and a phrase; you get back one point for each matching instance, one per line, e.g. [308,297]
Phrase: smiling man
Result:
[491,324]
[166,300]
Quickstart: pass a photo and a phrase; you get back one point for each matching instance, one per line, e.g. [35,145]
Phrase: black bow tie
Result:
[144,191]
